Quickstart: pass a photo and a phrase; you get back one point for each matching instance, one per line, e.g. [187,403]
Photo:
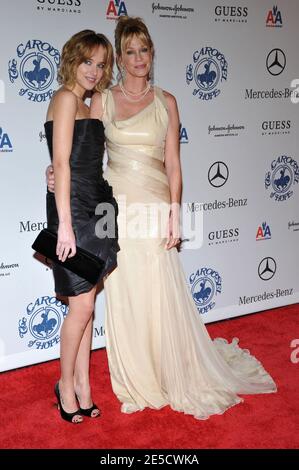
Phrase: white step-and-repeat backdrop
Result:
[234,68]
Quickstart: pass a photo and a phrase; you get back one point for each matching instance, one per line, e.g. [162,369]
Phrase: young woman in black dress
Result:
[76,145]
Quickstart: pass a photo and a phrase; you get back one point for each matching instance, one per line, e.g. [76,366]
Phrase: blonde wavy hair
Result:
[80,48]
[127,27]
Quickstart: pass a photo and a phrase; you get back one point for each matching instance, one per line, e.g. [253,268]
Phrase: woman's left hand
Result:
[50,178]
[173,236]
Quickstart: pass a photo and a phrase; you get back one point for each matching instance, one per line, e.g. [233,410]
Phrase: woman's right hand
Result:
[50,178]
[66,241]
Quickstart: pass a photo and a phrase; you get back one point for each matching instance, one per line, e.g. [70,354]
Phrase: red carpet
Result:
[30,420]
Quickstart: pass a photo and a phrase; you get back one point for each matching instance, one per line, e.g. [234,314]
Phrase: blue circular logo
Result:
[282,177]
[35,68]
[207,72]
[206,284]
[42,322]
[37,71]
[202,291]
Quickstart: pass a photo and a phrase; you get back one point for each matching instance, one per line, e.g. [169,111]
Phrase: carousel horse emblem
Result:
[35,69]
[282,177]
[207,72]
[42,322]
[206,284]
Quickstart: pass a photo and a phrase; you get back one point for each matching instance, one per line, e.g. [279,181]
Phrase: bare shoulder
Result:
[96,98]
[61,100]
[170,99]
[171,104]
[64,97]
[96,106]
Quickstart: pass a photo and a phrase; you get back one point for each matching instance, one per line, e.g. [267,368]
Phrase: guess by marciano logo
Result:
[278,127]
[59,6]
[221,236]
[34,69]
[231,14]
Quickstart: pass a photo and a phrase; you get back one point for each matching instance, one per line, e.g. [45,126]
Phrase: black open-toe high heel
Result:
[88,411]
[67,416]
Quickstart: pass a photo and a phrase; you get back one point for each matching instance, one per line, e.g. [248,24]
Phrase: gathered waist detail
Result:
[146,155]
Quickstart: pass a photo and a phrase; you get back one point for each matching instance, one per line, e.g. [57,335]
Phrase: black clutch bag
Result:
[84,263]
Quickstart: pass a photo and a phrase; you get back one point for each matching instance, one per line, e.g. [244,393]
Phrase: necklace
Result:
[126,93]
[130,92]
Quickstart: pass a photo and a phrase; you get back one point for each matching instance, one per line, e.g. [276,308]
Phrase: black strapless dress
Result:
[88,189]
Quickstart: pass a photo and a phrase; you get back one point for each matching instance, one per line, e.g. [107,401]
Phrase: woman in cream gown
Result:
[159,350]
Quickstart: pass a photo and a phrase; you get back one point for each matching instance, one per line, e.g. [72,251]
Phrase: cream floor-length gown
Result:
[159,350]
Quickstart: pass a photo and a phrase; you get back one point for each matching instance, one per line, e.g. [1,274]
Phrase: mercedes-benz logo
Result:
[218,174]
[267,268]
[276,62]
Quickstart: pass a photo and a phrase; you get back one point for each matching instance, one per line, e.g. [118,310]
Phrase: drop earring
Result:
[150,75]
